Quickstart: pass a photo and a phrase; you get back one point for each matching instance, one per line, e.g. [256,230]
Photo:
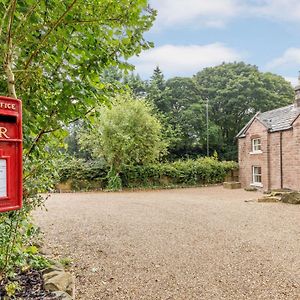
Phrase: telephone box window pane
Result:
[3,179]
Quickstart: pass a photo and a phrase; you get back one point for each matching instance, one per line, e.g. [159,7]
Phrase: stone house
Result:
[269,148]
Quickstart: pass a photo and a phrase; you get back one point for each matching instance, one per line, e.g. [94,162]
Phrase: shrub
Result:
[182,172]
[127,133]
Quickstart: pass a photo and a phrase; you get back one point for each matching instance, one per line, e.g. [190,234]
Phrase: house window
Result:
[256,175]
[256,145]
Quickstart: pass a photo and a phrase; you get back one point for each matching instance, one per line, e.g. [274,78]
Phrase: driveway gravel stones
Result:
[199,243]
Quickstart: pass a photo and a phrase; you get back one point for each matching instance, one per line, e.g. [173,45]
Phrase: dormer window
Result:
[256,145]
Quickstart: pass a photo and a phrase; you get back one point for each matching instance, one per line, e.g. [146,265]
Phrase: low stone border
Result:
[60,282]
[291,197]
[269,199]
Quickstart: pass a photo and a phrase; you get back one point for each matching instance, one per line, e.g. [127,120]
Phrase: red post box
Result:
[10,154]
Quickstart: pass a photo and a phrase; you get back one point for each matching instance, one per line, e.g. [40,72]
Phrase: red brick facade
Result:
[278,160]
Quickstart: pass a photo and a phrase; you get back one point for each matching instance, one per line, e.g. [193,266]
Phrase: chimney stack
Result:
[297,93]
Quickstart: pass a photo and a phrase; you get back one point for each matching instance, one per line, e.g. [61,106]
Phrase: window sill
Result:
[256,152]
[256,184]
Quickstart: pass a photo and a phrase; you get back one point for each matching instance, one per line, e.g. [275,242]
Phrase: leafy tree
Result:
[52,55]
[186,112]
[236,91]
[126,134]
[136,85]
[183,93]
[157,91]
[72,144]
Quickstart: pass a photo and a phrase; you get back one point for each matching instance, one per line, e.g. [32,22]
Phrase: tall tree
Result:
[236,91]
[52,54]
[186,112]
[157,92]
[136,85]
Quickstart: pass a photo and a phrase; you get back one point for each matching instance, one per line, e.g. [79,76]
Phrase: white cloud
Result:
[291,57]
[183,60]
[216,13]
[293,80]
[211,13]
[287,10]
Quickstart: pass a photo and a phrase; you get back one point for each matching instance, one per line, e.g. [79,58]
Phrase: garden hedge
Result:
[202,171]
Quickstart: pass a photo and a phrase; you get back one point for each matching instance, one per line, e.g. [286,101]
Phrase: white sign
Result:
[3,178]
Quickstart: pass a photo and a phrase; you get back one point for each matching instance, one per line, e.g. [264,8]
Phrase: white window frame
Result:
[255,175]
[256,146]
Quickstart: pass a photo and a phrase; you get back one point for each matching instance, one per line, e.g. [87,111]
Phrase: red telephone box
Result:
[10,154]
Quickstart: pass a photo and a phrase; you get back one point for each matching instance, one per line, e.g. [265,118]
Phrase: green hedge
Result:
[187,172]
[89,175]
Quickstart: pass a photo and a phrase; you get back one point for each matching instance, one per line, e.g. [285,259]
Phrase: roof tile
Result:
[275,120]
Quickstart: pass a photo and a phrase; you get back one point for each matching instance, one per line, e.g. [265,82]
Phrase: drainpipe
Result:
[268,162]
[281,166]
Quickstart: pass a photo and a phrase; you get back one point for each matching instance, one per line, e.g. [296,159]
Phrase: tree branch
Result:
[70,122]
[45,37]
[9,54]
[36,140]
[45,131]
[29,12]
[4,17]
[100,22]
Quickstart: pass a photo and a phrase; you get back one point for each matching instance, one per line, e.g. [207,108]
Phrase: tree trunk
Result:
[10,80]
[8,62]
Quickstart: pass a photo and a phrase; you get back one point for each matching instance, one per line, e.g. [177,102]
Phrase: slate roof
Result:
[275,120]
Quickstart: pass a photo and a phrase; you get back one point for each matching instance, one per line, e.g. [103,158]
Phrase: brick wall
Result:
[275,174]
[269,158]
[291,157]
[247,159]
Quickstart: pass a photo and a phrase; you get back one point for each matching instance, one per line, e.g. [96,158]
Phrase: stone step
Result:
[232,185]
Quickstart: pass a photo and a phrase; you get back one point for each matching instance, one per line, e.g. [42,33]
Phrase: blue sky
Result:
[190,35]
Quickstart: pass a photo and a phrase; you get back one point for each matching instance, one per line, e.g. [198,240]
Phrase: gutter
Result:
[282,129]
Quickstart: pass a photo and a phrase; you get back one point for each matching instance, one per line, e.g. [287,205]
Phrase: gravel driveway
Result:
[199,243]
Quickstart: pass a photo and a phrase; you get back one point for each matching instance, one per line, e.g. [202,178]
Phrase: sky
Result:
[190,35]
